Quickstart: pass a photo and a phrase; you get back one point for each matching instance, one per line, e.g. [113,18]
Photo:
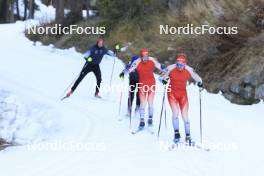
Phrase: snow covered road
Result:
[35,78]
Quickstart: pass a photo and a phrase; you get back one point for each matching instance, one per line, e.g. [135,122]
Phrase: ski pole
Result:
[73,81]
[201,132]
[130,108]
[111,77]
[112,73]
[161,112]
[165,113]
[120,102]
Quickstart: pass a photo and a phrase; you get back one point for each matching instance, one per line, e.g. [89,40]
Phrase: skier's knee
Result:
[175,117]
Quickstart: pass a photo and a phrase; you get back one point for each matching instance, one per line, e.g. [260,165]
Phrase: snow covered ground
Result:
[83,135]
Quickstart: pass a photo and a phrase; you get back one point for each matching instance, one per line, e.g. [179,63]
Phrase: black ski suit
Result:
[96,53]
[133,81]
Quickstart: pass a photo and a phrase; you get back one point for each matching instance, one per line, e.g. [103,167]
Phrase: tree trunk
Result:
[87,8]
[59,11]
[76,10]
[25,9]
[3,10]
[31,9]
[11,11]
[7,12]
[17,10]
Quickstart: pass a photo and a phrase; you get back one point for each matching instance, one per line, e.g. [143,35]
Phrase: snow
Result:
[44,14]
[82,135]
[15,120]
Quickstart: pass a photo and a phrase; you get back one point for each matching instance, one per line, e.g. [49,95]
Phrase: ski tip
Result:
[151,132]
[134,132]
[63,98]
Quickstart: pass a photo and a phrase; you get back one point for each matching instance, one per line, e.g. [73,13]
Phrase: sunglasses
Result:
[180,65]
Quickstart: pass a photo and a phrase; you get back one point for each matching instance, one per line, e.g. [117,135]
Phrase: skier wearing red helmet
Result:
[93,58]
[145,67]
[179,73]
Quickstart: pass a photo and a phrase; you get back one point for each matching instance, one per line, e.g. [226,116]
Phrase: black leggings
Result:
[89,68]
[133,86]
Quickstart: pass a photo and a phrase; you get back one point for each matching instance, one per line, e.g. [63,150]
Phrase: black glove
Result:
[122,75]
[200,84]
[165,81]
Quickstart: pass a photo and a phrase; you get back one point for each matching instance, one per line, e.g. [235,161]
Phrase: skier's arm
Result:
[125,71]
[164,77]
[87,54]
[194,75]
[127,67]
[157,64]
[133,66]
[169,69]
[110,53]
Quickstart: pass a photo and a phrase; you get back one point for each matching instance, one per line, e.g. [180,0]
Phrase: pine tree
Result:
[17,9]
[59,11]
[11,11]
[76,10]
[25,9]
[31,9]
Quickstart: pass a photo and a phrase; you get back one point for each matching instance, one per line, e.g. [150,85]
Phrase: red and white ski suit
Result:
[177,97]
[147,83]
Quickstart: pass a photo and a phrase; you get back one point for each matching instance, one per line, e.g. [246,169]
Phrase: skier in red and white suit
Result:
[145,67]
[179,74]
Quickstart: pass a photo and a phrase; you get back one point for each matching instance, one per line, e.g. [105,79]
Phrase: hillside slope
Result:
[232,64]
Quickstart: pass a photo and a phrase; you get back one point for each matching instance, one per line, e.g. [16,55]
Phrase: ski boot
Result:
[177,136]
[188,140]
[96,95]
[68,95]
[150,121]
[141,124]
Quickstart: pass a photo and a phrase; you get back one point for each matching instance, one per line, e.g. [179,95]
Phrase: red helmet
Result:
[181,58]
[144,52]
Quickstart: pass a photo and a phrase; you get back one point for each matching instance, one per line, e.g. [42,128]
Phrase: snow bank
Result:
[24,123]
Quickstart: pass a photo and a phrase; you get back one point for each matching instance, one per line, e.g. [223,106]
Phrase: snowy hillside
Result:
[83,136]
